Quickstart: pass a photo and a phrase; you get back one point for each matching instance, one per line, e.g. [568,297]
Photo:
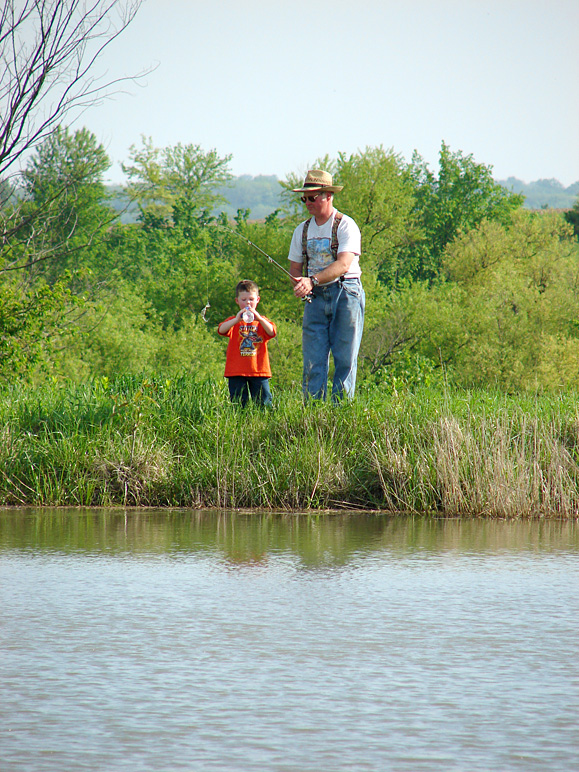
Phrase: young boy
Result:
[247,362]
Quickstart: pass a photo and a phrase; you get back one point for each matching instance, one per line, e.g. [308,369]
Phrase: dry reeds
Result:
[511,466]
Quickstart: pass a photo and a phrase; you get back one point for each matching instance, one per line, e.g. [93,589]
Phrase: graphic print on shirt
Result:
[319,255]
[249,341]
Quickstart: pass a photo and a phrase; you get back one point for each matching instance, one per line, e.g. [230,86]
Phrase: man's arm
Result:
[338,268]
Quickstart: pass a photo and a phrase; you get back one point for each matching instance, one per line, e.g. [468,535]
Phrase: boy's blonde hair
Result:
[246,285]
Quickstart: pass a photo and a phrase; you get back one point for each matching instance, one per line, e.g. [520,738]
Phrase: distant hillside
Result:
[120,203]
[261,195]
[543,194]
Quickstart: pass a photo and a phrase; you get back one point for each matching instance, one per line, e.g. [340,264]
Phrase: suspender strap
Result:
[333,244]
[335,226]
[305,247]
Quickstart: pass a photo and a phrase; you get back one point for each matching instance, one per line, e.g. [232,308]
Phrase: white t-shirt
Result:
[320,242]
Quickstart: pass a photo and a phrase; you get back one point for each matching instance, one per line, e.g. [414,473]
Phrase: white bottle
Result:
[248,315]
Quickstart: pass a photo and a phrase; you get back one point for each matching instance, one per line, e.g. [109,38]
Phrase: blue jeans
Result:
[333,322]
[242,387]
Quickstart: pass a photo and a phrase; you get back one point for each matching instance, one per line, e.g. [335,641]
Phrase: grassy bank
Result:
[181,444]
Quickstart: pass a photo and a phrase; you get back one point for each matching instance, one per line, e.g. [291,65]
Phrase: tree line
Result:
[462,282]
[262,194]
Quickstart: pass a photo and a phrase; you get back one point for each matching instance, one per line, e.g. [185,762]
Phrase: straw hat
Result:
[316,179]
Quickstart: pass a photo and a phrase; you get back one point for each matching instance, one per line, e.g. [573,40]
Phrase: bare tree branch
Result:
[48,49]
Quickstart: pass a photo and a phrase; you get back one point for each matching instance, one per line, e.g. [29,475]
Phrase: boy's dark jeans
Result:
[241,388]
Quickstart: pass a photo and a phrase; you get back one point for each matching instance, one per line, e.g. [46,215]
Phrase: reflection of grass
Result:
[181,443]
[251,540]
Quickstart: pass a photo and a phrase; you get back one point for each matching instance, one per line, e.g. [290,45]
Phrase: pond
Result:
[184,640]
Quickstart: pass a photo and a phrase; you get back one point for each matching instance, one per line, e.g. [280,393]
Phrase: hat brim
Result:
[321,188]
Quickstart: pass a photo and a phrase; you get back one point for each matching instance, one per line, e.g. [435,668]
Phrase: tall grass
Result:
[181,443]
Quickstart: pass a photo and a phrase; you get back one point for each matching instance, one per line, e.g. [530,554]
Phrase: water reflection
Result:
[157,641]
[250,539]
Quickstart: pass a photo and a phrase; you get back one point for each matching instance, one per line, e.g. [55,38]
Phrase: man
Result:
[324,262]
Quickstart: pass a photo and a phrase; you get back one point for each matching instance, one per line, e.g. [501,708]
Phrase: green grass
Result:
[181,443]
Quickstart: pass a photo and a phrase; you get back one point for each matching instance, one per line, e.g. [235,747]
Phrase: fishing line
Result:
[208,304]
[308,298]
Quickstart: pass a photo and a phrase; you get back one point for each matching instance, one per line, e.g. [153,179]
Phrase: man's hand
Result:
[303,287]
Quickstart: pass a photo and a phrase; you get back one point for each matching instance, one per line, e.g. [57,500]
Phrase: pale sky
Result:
[278,83]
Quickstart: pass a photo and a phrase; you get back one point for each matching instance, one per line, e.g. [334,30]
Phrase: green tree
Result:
[379,196]
[64,190]
[507,312]
[463,195]
[176,184]
[572,217]
[55,221]
[29,318]
[180,275]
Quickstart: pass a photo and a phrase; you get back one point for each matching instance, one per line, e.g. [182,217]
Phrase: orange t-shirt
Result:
[247,350]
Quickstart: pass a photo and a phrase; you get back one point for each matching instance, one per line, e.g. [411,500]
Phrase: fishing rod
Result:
[259,249]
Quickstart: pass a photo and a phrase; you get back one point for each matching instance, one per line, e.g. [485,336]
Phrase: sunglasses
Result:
[311,198]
